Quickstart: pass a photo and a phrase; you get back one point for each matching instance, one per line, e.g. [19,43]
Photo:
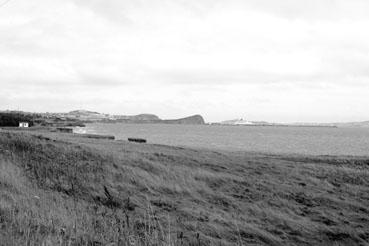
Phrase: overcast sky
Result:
[281,61]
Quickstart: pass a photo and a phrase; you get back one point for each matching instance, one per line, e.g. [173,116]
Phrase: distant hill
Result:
[191,120]
[236,122]
[79,117]
[83,112]
[145,117]
[245,122]
[140,117]
[91,116]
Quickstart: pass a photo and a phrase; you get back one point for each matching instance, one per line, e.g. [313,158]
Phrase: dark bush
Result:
[13,119]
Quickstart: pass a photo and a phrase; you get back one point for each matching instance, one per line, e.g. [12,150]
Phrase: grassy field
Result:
[61,189]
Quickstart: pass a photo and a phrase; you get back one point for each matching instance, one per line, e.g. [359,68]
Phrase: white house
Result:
[23,124]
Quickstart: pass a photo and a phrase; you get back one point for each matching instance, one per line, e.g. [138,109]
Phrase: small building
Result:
[23,124]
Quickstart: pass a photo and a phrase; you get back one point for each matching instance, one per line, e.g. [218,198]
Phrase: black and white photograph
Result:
[184,122]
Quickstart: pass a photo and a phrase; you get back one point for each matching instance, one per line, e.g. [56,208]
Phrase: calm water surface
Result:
[301,140]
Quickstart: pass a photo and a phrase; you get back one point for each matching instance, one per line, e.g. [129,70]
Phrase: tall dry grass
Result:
[58,189]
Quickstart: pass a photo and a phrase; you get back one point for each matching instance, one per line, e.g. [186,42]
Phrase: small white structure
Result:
[23,124]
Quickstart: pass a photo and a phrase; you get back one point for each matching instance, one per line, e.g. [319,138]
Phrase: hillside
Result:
[95,116]
[83,112]
[80,117]
[141,118]
[61,189]
[192,120]
[144,117]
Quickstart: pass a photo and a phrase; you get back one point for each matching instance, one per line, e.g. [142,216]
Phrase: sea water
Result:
[269,139]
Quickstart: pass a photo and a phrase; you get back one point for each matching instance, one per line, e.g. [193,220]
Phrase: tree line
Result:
[13,119]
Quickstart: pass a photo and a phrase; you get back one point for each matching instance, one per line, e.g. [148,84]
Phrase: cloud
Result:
[154,52]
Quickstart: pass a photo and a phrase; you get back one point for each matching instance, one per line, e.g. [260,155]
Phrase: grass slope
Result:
[60,189]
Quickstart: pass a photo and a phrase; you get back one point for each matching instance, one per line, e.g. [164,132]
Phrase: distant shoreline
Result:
[210,124]
[268,125]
